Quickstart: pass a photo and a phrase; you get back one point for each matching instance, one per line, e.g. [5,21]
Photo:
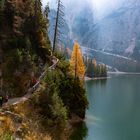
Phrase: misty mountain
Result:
[118,33]
[64,36]
[82,23]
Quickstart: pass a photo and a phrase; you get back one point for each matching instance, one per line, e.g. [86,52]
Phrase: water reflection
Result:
[80,132]
[102,82]
[92,120]
[114,111]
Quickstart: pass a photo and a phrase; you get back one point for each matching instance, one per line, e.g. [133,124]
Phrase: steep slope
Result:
[118,32]
[24,44]
[25,57]
[82,23]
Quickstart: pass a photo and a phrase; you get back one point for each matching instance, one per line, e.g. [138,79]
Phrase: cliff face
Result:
[117,36]
[118,32]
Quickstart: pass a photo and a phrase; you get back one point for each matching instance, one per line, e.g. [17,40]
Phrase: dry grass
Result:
[35,136]
[6,124]
[6,128]
[30,125]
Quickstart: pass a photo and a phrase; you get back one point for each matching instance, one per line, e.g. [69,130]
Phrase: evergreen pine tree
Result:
[90,69]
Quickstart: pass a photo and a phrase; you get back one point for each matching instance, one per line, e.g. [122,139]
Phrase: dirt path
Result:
[30,91]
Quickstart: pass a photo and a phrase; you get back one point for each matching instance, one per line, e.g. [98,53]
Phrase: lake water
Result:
[114,109]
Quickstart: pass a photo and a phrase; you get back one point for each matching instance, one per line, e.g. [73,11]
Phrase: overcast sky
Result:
[100,6]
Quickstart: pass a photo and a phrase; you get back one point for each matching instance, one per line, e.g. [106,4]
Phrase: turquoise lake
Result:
[114,109]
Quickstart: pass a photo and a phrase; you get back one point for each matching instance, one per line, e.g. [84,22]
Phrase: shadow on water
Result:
[101,82]
[80,131]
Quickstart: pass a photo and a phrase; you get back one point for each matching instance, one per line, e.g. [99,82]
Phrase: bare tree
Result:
[59,23]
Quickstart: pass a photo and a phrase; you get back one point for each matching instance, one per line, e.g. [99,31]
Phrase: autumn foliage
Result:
[76,61]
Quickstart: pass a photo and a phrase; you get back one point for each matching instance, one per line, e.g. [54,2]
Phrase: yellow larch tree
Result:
[76,61]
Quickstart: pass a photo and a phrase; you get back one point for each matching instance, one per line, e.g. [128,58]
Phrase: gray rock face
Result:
[118,33]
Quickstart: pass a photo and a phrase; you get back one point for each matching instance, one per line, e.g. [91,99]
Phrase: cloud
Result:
[103,7]
[100,7]
[52,3]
